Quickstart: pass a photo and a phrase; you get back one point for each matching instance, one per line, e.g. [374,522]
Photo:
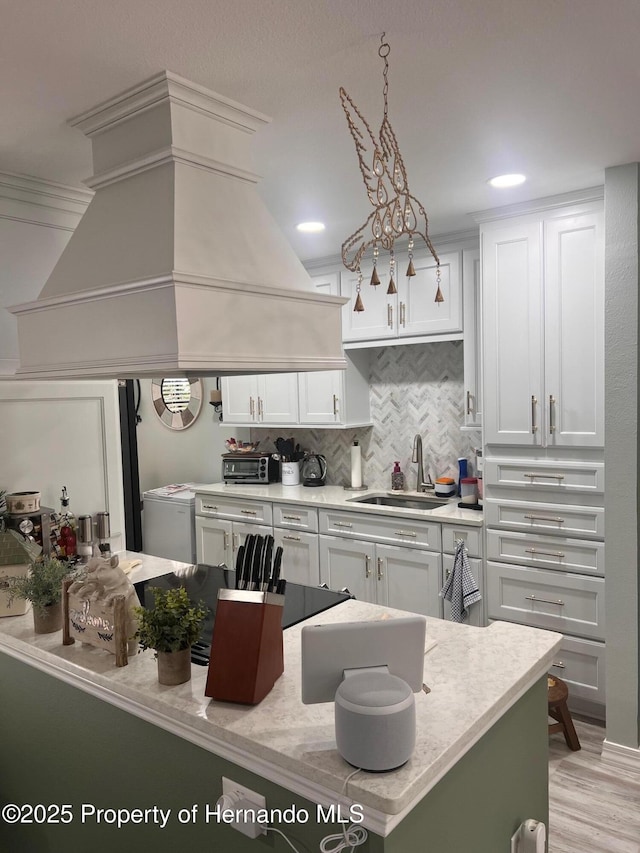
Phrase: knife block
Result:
[246,649]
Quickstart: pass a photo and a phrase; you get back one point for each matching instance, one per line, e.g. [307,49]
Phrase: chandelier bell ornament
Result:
[396,212]
[359,306]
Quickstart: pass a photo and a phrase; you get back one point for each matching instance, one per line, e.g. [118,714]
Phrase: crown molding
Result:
[35,201]
[539,204]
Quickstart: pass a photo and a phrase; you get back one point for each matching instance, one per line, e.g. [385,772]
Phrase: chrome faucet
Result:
[421,484]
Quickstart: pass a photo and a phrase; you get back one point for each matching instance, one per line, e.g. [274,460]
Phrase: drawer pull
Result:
[380,575]
[559,664]
[367,566]
[292,517]
[210,508]
[342,524]
[533,475]
[411,533]
[248,512]
[552,414]
[559,602]
[292,538]
[534,425]
[558,554]
[545,518]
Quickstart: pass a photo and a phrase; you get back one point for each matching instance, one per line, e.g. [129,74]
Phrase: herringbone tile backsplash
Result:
[415,388]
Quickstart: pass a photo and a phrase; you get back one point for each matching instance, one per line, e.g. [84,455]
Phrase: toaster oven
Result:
[250,468]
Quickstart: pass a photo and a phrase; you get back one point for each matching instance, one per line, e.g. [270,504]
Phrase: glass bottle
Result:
[67,539]
[397,478]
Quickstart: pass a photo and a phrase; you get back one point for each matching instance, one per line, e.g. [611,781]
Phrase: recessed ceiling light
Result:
[502,181]
[310,227]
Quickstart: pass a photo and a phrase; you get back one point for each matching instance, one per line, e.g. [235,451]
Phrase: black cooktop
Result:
[203,582]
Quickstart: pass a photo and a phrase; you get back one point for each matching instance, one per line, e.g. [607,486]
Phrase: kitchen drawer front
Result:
[561,477]
[583,521]
[381,528]
[295,517]
[581,663]
[547,552]
[569,604]
[471,536]
[476,611]
[234,508]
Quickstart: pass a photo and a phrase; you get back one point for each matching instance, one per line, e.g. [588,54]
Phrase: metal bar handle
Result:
[235,541]
[367,566]
[552,414]
[558,554]
[545,518]
[225,540]
[468,402]
[536,475]
[260,409]
[335,405]
[292,517]
[210,507]
[559,602]
[402,314]
[248,512]
[534,403]
[559,664]
[252,407]
[292,538]
[343,524]
[411,533]
[380,575]
[389,315]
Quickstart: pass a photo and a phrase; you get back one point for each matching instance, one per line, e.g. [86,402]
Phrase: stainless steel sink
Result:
[413,502]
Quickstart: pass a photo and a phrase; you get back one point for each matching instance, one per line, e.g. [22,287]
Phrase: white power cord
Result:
[349,838]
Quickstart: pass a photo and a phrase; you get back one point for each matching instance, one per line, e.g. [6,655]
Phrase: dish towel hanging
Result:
[460,587]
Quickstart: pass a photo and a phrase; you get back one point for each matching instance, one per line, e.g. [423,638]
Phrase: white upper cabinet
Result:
[268,399]
[412,311]
[543,315]
[472,315]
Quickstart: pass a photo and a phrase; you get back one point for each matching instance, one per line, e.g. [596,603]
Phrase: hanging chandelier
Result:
[395,211]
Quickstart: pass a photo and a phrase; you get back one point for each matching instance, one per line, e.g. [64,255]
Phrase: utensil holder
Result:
[246,649]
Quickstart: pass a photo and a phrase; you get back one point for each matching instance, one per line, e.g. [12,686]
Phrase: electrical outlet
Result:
[244,799]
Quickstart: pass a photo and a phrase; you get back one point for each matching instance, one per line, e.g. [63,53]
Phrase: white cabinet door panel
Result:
[344,563]
[213,541]
[581,663]
[379,319]
[240,395]
[278,398]
[472,324]
[320,397]
[409,580]
[418,312]
[300,556]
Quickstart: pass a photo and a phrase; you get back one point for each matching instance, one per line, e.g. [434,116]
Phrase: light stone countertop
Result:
[474,676]
[335,497]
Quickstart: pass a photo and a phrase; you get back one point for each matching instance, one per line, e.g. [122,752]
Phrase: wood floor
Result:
[594,806]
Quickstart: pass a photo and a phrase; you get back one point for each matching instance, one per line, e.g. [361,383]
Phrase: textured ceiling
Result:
[477,88]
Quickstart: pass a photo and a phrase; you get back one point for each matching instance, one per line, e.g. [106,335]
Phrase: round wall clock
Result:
[177,402]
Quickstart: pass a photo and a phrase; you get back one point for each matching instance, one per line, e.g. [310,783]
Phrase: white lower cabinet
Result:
[390,575]
[218,539]
[476,611]
[300,557]
[581,663]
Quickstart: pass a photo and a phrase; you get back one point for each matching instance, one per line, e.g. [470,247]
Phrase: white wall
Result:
[191,455]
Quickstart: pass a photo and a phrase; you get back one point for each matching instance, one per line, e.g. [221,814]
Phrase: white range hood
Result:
[176,268]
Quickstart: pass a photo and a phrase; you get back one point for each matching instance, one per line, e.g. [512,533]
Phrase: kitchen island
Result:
[80,731]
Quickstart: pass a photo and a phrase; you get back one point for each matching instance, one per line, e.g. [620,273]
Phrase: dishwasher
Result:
[168,522]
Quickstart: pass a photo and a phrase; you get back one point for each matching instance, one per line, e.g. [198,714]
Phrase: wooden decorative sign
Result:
[98,609]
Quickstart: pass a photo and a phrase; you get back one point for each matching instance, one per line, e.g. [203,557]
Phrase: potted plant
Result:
[42,586]
[170,629]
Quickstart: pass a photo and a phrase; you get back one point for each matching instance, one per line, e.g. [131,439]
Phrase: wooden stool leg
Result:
[567,726]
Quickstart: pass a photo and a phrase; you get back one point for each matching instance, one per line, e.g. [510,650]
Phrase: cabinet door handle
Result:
[292,538]
[248,512]
[552,414]
[367,566]
[533,476]
[252,408]
[390,316]
[235,541]
[558,554]
[468,402]
[342,524]
[411,533]
[402,314]
[559,602]
[292,517]
[335,405]
[559,664]
[534,424]
[380,575]
[225,541]
[260,409]
[545,518]
[210,507]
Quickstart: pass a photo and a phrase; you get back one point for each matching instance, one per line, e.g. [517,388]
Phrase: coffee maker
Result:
[314,470]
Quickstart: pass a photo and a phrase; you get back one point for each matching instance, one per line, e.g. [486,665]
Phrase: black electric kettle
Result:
[314,470]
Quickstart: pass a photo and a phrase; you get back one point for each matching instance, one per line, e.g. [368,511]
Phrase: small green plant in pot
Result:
[42,586]
[170,629]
